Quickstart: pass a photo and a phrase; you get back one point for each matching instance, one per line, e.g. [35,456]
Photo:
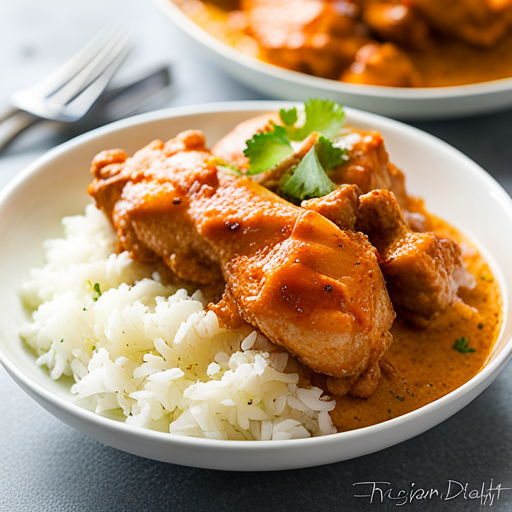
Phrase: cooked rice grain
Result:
[152,351]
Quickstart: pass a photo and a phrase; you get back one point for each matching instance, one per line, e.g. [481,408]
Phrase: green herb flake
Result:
[289,117]
[323,116]
[461,345]
[309,179]
[265,150]
[95,288]
[224,166]
[329,155]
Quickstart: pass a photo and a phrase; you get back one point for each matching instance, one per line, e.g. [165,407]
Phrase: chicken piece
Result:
[340,206]
[382,64]
[318,37]
[478,22]
[423,271]
[368,165]
[307,285]
[397,23]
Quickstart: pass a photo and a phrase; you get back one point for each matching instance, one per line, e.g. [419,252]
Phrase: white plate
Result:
[55,186]
[397,102]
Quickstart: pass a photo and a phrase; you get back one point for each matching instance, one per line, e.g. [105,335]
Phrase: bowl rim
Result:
[186,24]
[484,377]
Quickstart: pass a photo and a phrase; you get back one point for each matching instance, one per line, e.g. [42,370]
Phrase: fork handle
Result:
[7,112]
[15,124]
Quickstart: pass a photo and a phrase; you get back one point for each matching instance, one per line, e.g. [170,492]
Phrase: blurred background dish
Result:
[424,100]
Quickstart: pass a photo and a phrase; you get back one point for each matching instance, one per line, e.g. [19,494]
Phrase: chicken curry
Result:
[299,226]
[399,43]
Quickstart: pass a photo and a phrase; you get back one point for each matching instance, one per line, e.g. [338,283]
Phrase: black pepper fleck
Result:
[176,201]
[480,326]
[328,288]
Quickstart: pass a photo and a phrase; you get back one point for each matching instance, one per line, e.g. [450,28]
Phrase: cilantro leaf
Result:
[289,117]
[265,150]
[309,179]
[230,169]
[323,116]
[461,345]
[329,155]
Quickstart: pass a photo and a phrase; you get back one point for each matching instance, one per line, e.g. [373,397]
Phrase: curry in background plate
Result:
[400,43]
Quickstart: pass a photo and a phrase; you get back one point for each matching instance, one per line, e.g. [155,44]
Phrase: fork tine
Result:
[104,64]
[79,105]
[63,74]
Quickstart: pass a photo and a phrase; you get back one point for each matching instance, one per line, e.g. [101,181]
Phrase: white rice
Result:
[152,351]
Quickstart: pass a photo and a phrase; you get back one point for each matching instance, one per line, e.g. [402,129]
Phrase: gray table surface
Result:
[47,466]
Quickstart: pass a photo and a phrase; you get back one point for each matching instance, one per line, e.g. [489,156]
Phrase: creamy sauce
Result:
[423,364]
[443,63]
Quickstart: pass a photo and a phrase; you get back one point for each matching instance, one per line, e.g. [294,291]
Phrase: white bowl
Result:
[398,102]
[55,186]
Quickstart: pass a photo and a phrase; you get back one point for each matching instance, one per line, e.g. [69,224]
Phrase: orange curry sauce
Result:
[422,365]
[445,62]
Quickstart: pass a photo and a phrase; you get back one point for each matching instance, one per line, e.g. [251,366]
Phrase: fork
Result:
[68,93]
[144,93]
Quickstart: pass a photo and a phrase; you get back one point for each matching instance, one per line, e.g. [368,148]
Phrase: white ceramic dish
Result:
[397,102]
[33,204]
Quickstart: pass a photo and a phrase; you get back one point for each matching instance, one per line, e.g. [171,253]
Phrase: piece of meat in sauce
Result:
[318,37]
[307,285]
[382,64]
[340,206]
[423,271]
[396,22]
[477,22]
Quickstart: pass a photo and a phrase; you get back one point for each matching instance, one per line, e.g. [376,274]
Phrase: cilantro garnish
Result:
[265,150]
[309,179]
[461,345]
[323,116]
[329,155]
[289,117]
